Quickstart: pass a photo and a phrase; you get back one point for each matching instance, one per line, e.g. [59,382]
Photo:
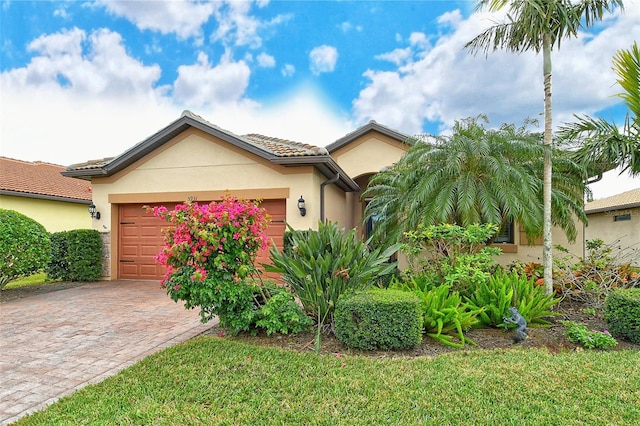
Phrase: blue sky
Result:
[83,80]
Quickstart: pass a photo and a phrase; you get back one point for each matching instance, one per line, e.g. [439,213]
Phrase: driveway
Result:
[55,343]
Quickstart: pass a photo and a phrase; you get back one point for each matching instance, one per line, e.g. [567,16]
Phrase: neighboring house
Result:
[616,220]
[192,159]
[39,191]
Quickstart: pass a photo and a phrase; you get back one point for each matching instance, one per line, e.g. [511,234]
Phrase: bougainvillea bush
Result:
[208,248]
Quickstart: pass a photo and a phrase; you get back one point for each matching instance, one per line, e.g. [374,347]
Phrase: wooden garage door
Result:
[140,239]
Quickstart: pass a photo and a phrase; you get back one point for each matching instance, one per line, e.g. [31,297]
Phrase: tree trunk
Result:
[547,254]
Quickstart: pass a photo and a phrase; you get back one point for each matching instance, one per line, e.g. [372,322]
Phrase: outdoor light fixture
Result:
[301,206]
[95,214]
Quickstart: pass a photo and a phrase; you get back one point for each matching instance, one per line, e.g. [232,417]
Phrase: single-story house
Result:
[193,159]
[39,190]
[616,221]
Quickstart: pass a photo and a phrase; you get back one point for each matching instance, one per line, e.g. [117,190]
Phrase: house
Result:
[616,221]
[194,160]
[39,191]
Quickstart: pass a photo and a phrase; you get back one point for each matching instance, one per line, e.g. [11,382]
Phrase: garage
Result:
[140,238]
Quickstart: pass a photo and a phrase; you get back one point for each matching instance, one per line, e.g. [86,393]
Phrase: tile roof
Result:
[283,147]
[39,178]
[621,201]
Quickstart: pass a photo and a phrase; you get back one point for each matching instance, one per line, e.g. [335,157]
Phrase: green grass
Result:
[217,381]
[35,279]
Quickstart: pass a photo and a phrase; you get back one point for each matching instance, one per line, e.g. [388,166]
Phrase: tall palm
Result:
[540,25]
[603,143]
[475,175]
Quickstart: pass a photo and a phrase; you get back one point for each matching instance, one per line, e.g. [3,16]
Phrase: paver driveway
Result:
[52,344]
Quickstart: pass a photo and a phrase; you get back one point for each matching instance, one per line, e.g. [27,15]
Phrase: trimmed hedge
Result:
[76,256]
[379,319]
[24,246]
[622,313]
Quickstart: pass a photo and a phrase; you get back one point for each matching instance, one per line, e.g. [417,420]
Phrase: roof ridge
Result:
[38,162]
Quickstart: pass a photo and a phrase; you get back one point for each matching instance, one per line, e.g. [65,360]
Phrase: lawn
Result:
[213,380]
[35,279]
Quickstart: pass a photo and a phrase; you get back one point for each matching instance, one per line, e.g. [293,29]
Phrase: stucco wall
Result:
[55,216]
[533,253]
[369,154]
[627,232]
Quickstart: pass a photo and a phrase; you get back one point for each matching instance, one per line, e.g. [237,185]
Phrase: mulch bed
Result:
[551,338]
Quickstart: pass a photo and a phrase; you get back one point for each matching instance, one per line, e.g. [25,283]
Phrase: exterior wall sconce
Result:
[302,207]
[95,214]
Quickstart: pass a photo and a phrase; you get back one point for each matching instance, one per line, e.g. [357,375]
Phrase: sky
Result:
[83,80]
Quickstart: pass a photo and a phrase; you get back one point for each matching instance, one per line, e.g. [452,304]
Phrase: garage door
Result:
[140,239]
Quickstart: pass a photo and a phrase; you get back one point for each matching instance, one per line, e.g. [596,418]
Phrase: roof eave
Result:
[85,174]
[44,197]
[325,165]
[612,208]
[160,138]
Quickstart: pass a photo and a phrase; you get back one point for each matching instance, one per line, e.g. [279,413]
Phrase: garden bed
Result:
[552,338]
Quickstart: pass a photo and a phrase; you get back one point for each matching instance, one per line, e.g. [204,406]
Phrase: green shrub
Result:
[379,319]
[504,290]
[590,339]
[281,314]
[58,266]
[25,246]
[445,317]
[325,263]
[451,254]
[76,256]
[232,302]
[622,313]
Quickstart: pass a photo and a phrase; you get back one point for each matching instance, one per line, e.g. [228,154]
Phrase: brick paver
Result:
[55,343]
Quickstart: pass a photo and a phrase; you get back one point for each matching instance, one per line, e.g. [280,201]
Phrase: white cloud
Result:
[347,26]
[397,56]
[184,18]
[237,27]
[202,84]
[104,69]
[447,83]
[323,59]
[288,70]
[266,61]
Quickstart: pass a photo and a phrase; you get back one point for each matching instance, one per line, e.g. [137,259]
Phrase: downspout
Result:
[322,185]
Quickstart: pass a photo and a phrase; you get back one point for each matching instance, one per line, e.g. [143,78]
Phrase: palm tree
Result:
[602,143]
[540,25]
[473,176]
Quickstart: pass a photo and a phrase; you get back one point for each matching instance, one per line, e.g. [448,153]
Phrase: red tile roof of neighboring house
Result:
[40,179]
[625,200]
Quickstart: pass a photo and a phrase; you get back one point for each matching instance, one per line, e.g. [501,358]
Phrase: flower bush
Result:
[209,247]
[590,339]
[220,238]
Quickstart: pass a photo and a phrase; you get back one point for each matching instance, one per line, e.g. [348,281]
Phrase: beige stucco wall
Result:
[369,154]
[55,216]
[627,233]
[533,253]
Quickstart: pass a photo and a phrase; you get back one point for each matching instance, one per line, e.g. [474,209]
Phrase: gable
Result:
[369,154]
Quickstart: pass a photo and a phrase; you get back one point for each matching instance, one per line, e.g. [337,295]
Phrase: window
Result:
[505,234]
[622,217]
